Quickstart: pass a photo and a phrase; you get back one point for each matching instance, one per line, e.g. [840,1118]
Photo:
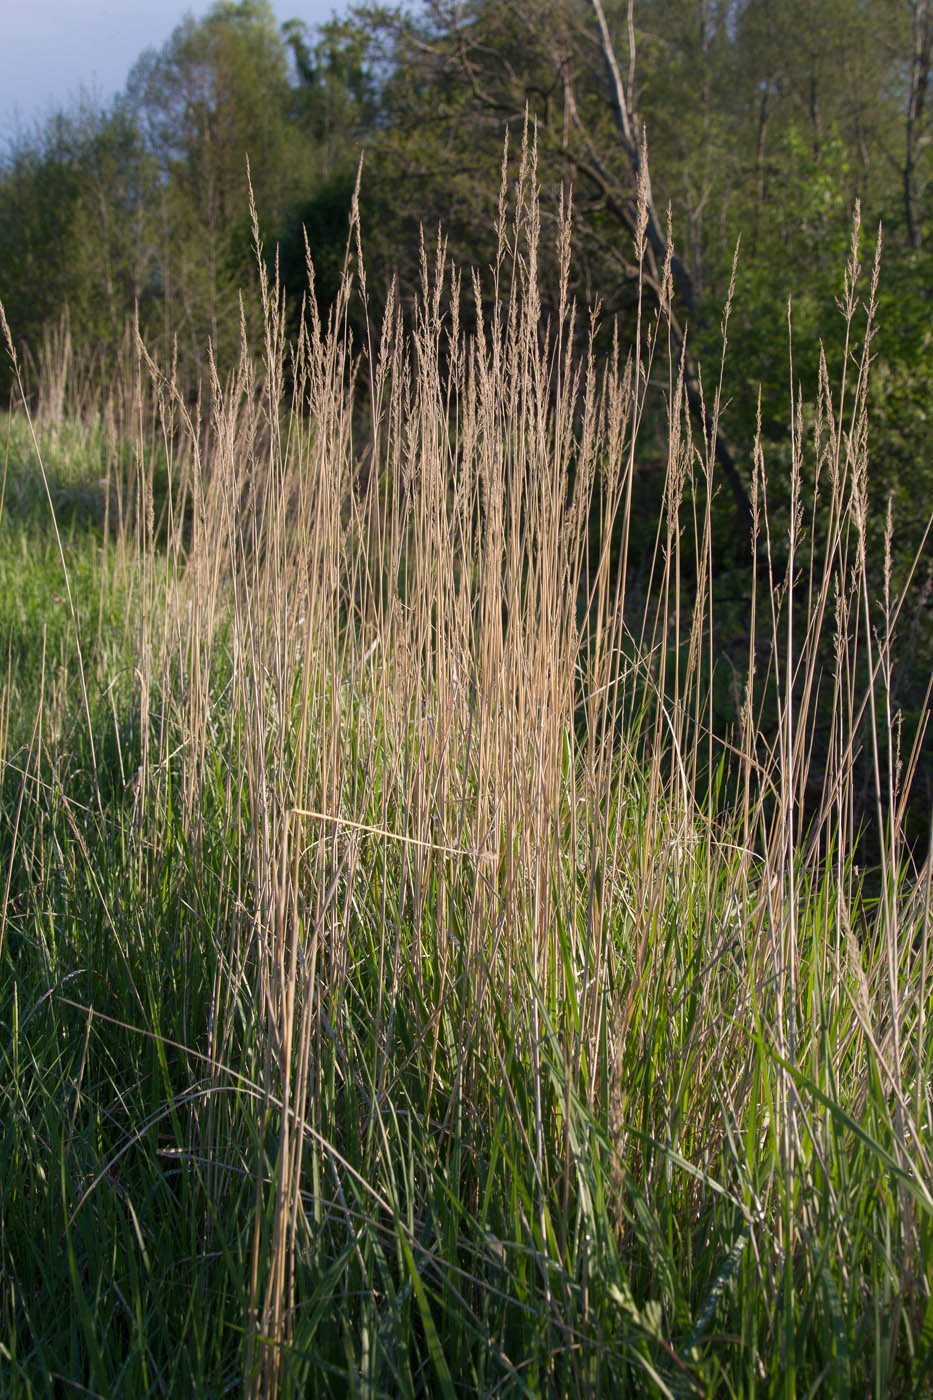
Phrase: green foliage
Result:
[336,97]
[75,213]
[218,95]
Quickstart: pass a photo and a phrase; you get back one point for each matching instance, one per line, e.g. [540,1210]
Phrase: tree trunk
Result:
[919,79]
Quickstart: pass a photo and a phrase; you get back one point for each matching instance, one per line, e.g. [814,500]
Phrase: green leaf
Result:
[435,1349]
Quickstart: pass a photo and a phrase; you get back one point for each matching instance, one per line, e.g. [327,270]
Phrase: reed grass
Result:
[408,986]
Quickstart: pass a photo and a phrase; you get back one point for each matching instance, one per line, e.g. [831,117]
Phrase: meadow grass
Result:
[406,988]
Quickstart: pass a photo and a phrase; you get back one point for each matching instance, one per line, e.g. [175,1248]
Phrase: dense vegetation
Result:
[466,906]
[767,126]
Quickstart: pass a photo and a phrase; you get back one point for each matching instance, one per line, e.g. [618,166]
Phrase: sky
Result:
[51,49]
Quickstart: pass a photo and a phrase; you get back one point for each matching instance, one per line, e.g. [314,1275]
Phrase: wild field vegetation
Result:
[408,986]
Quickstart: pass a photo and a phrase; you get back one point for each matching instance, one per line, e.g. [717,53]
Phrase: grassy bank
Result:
[405,988]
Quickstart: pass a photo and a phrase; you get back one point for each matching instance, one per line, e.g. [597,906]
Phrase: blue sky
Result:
[50,49]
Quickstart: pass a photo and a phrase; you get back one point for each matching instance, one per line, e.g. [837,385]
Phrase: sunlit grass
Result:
[403,990]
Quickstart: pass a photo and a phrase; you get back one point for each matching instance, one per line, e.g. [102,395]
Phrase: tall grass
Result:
[408,987]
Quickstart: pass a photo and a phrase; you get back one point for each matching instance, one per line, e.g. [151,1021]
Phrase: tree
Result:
[218,94]
[75,229]
[144,207]
[335,95]
[766,121]
[464,72]
[916,136]
[335,106]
